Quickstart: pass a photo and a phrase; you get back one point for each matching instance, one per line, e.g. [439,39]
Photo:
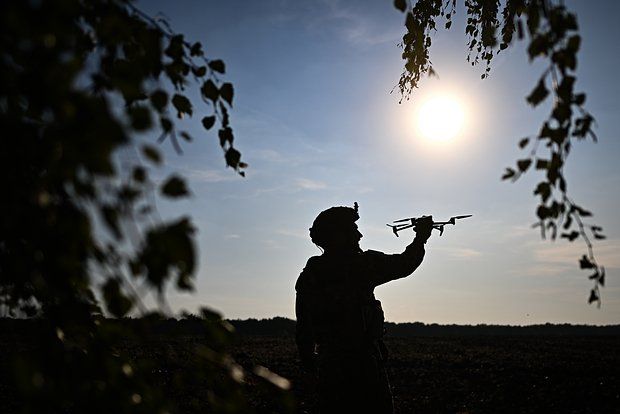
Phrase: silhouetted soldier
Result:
[339,321]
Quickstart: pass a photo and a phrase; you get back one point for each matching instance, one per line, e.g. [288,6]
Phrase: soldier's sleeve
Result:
[386,267]
[304,333]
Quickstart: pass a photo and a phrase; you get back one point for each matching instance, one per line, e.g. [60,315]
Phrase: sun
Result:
[440,118]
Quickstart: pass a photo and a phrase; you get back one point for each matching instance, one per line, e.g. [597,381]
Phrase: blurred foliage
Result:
[81,80]
[552,33]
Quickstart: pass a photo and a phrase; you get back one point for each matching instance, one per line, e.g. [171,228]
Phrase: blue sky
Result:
[314,118]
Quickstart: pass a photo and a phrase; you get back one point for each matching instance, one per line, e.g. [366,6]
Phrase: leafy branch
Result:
[80,81]
[552,32]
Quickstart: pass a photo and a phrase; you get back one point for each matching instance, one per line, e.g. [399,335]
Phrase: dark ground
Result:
[480,374]
[430,374]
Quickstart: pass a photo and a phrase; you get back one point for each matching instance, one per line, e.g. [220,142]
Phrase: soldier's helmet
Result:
[331,221]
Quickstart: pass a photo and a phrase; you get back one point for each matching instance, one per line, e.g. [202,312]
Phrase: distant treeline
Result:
[279,326]
[286,327]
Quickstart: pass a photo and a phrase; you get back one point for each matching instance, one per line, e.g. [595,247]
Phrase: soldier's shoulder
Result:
[373,258]
[371,254]
[307,276]
[314,261]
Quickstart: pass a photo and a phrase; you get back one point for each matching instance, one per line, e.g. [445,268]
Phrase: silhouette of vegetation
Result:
[552,33]
[81,85]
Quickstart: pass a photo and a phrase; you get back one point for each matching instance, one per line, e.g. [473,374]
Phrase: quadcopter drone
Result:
[411,222]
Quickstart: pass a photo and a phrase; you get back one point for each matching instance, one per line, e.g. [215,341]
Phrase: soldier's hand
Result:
[423,228]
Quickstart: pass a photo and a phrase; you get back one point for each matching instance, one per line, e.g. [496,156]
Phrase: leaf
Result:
[199,71]
[110,217]
[585,263]
[523,143]
[232,157]
[182,105]
[573,43]
[116,302]
[400,5]
[196,49]
[565,89]
[175,48]
[448,24]
[152,154]
[562,184]
[272,377]
[159,99]
[209,314]
[508,174]
[226,136]
[208,122]
[544,190]
[524,164]
[139,174]
[579,98]
[226,92]
[538,94]
[594,275]
[217,66]
[186,136]
[209,90]
[140,117]
[570,236]
[601,278]
[166,124]
[168,250]
[543,212]
[581,211]
[542,164]
[175,187]
[562,112]
[593,296]
[539,45]
[568,222]
[128,194]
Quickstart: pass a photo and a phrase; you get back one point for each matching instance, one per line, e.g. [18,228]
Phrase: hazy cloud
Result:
[209,176]
[308,184]
[461,252]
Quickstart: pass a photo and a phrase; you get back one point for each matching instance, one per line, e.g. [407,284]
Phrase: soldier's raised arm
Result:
[386,267]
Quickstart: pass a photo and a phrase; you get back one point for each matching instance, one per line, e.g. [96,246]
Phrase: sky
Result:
[315,118]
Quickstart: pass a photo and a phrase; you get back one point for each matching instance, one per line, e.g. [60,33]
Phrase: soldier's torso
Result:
[345,313]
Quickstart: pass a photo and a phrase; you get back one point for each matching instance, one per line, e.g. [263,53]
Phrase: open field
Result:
[479,374]
[429,374]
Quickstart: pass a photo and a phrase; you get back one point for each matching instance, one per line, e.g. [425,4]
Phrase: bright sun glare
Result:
[440,118]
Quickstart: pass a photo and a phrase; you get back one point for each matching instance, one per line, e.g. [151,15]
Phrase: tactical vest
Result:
[344,310]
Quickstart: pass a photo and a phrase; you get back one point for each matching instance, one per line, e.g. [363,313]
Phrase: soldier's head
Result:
[335,230]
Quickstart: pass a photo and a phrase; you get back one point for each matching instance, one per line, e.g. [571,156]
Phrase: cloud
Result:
[562,258]
[209,176]
[461,252]
[308,184]
[465,253]
[355,27]
[291,233]
[607,253]
[268,155]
